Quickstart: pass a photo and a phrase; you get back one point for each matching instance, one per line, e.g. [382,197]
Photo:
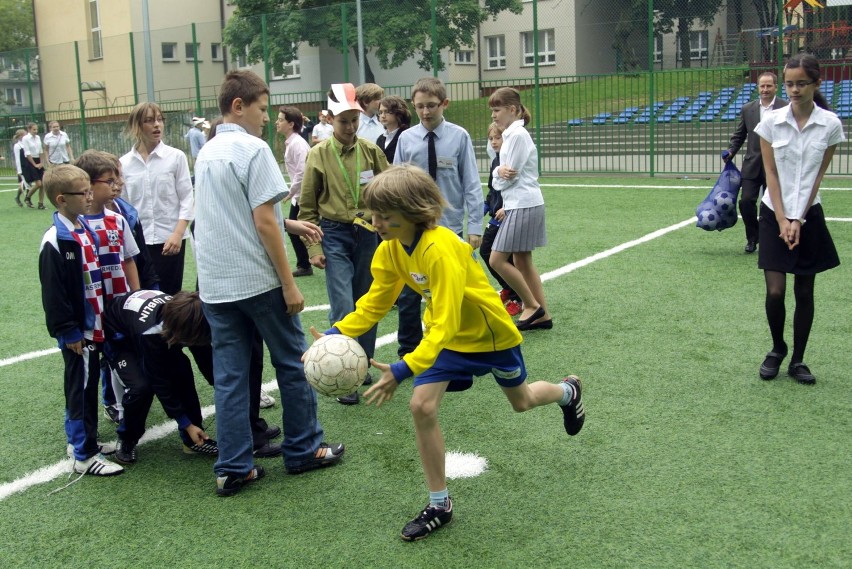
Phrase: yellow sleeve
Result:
[377,302]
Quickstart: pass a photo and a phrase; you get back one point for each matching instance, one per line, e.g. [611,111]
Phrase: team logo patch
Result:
[419,279]
[112,236]
[506,374]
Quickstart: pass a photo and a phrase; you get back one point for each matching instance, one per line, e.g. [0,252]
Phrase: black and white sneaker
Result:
[209,447]
[112,414]
[96,465]
[125,453]
[430,519]
[574,413]
[326,455]
[230,484]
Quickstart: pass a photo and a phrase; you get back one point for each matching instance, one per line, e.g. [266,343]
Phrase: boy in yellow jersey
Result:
[468,332]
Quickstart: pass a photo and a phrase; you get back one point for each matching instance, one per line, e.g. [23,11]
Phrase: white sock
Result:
[569,393]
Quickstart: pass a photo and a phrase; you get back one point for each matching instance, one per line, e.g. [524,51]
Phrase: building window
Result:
[496,54]
[95,45]
[169,51]
[464,57]
[14,97]
[241,59]
[216,51]
[546,48]
[658,48]
[190,49]
[698,42]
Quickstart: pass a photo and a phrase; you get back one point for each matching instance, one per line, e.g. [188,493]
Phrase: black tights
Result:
[803,317]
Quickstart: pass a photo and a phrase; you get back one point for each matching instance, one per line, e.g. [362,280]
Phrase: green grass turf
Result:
[687,458]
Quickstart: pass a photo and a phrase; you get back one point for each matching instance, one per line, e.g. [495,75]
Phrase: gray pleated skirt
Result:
[522,230]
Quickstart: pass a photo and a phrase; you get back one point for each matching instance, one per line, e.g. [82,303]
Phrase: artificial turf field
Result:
[687,458]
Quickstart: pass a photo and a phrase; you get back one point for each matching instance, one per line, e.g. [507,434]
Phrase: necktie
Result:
[433,157]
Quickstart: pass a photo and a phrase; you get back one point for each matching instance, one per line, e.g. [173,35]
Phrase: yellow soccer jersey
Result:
[463,312]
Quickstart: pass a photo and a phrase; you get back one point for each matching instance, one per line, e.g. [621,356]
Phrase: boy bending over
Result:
[468,332]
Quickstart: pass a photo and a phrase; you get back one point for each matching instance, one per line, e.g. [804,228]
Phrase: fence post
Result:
[780,49]
[536,88]
[344,18]
[30,84]
[270,127]
[198,110]
[434,33]
[83,135]
[133,70]
[651,96]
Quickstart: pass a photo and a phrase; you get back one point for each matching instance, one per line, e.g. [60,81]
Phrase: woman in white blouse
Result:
[158,185]
[522,229]
[797,143]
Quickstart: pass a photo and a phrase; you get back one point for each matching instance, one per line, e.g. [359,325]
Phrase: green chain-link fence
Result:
[620,86]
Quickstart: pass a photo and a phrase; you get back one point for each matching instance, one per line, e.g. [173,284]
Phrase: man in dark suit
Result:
[753,175]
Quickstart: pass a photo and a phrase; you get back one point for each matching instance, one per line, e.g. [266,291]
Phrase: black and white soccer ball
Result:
[336,365]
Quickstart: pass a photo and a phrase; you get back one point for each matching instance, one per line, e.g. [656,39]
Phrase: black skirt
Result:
[31,174]
[814,254]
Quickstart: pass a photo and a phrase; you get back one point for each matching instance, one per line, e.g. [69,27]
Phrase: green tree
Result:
[17,29]
[685,12]
[394,31]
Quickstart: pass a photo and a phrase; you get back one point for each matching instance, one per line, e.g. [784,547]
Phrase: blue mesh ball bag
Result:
[718,211]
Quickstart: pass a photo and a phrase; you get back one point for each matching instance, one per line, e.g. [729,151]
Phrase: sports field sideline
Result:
[687,457]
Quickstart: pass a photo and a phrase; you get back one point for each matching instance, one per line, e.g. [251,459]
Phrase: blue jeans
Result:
[232,325]
[348,251]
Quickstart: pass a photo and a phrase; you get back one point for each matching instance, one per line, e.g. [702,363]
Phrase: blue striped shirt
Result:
[235,173]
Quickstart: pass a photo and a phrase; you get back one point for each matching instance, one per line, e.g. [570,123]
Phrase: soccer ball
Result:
[335,365]
[709,219]
[724,202]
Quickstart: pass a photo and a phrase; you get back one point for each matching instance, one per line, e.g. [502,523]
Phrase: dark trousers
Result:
[81,400]
[302,259]
[169,267]
[748,207]
[203,356]
[485,252]
[410,331]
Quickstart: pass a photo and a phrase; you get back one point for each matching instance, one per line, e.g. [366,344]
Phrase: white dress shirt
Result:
[295,156]
[160,190]
[32,146]
[322,131]
[369,128]
[519,152]
[798,154]
[57,147]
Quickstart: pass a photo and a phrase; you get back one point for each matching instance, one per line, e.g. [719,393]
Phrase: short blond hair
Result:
[409,190]
[61,179]
[367,93]
[430,86]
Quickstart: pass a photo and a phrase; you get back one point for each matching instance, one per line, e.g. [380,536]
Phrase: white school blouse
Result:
[798,154]
[519,152]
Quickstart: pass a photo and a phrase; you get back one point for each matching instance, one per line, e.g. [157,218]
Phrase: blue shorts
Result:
[459,368]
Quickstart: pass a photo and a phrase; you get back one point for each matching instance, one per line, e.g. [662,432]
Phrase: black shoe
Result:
[525,324]
[18,201]
[29,203]
[430,519]
[368,380]
[351,399]
[269,450]
[272,432]
[800,372]
[326,455]
[574,413]
[41,206]
[209,447]
[230,484]
[751,247]
[111,413]
[125,453]
[303,272]
[772,364]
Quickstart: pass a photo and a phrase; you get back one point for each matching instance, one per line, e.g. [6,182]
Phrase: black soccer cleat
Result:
[430,519]
[574,413]
[230,484]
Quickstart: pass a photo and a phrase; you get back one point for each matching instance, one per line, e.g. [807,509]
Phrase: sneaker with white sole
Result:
[97,465]
[430,519]
[230,484]
[126,453]
[266,400]
[574,413]
[104,448]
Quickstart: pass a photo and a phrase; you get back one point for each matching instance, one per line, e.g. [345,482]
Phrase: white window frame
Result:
[96,46]
[495,60]
[216,52]
[464,57]
[658,48]
[188,46]
[241,59]
[292,69]
[699,42]
[174,48]
[15,94]
[546,48]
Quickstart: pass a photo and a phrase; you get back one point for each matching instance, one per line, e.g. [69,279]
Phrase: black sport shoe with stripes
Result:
[574,413]
[230,484]
[430,519]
